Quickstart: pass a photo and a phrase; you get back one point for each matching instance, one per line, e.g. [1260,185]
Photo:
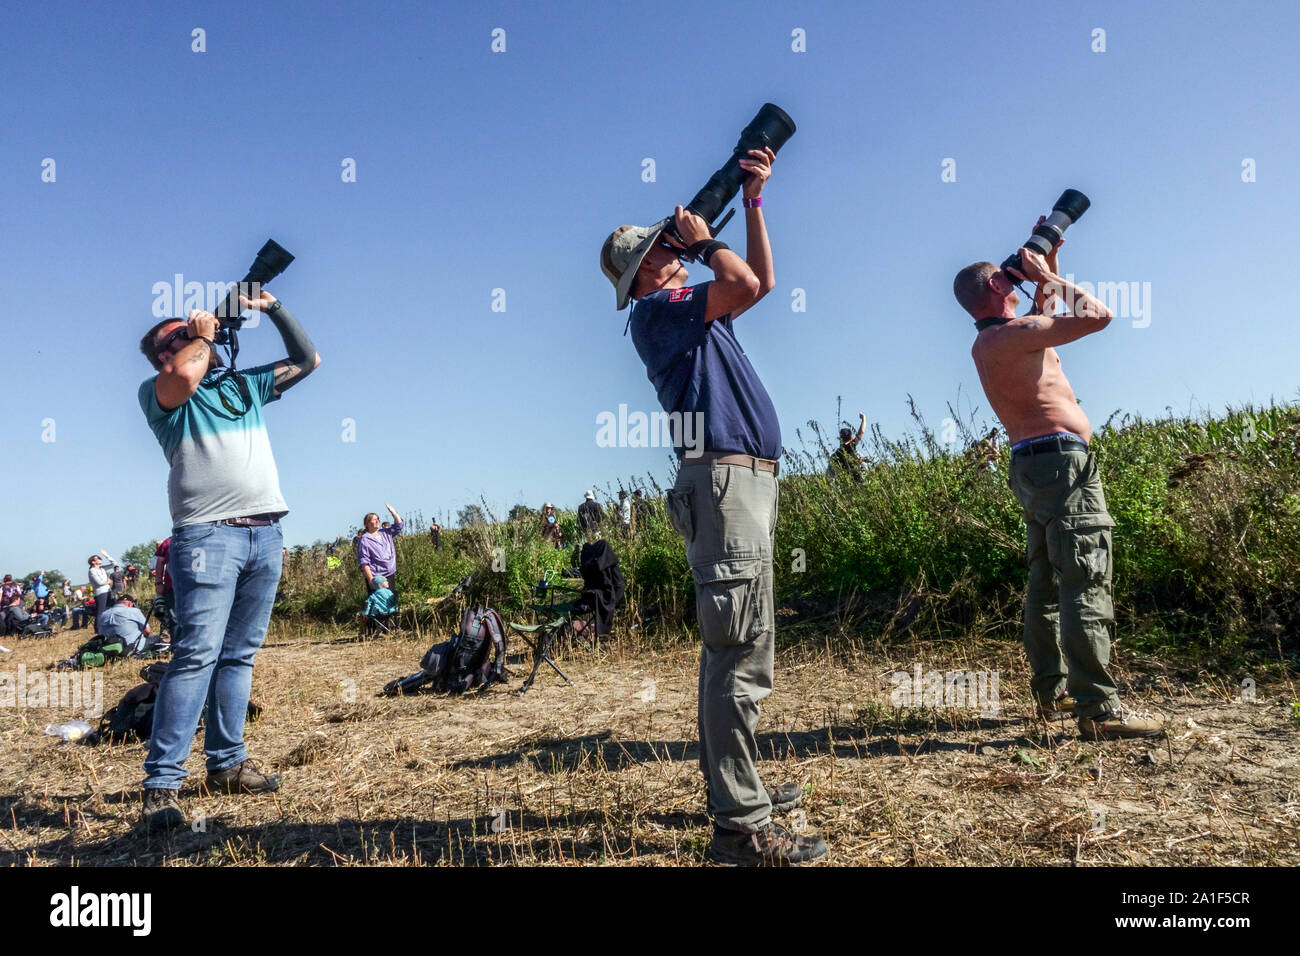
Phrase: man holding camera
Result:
[724,501]
[225,549]
[1069,610]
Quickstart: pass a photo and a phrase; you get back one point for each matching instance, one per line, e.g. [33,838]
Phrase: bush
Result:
[931,542]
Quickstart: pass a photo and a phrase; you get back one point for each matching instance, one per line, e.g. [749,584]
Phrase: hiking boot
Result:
[773,845]
[1121,723]
[242,778]
[161,809]
[785,797]
[1062,705]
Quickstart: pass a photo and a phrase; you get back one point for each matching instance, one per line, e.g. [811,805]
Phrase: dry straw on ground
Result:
[605,772]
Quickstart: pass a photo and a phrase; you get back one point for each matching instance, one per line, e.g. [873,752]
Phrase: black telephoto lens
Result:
[771,128]
[271,260]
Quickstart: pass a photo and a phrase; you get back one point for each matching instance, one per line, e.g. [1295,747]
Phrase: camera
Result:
[770,128]
[1065,212]
[272,259]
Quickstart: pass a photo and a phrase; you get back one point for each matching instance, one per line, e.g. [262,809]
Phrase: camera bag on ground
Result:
[132,717]
[476,657]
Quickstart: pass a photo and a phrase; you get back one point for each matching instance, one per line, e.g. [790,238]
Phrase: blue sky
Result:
[478,171]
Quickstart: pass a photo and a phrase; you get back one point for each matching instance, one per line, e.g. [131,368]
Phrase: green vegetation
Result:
[931,543]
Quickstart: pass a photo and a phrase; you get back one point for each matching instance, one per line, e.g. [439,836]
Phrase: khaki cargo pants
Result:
[1069,611]
[726,514]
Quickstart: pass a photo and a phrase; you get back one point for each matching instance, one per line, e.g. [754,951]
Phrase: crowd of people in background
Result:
[103,605]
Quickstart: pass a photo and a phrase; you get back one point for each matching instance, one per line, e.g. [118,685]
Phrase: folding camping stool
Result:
[564,613]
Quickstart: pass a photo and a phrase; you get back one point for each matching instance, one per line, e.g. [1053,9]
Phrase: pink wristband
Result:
[752,203]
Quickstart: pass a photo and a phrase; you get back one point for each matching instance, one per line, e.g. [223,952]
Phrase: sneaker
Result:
[161,809]
[773,845]
[1062,705]
[242,778]
[1121,723]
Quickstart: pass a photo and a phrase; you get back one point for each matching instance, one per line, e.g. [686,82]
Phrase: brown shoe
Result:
[161,809]
[242,778]
[1062,705]
[1120,724]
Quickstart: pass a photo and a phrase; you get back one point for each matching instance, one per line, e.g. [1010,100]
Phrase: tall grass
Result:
[931,543]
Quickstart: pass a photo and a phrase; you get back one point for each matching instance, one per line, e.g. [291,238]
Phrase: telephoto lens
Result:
[771,128]
[271,260]
[1048,233]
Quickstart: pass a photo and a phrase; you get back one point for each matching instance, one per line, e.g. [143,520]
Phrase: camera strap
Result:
[230,372]
[988,323]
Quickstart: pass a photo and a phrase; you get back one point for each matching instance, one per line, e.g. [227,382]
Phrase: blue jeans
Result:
[224,580]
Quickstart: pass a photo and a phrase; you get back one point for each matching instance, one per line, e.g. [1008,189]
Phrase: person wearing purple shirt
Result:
[376,552]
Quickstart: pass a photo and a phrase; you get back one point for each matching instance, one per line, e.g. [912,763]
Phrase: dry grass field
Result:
[604,772]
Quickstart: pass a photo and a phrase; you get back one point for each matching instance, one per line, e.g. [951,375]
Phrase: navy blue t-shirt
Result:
[698,366]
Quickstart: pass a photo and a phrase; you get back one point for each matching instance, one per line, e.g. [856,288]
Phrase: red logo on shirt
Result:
[681,295]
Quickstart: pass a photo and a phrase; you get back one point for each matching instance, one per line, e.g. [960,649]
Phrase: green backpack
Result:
[98,651]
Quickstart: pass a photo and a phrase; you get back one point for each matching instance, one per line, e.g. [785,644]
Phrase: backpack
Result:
[467,663]
[464,662]
[132,717]
[97,652]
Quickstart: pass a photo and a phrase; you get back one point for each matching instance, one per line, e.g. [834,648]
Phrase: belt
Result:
[250,521]
[1040,446]
[722,458]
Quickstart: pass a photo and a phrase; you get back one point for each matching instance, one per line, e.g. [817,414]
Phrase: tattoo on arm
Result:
[200,356]
[1031,324]
[287,374]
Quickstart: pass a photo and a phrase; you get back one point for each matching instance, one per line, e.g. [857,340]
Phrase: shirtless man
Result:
[1055,480]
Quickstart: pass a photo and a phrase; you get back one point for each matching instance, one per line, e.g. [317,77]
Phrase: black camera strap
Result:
[988,323]
[230,372]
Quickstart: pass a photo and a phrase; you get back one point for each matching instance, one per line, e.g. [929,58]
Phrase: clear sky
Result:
[479,170]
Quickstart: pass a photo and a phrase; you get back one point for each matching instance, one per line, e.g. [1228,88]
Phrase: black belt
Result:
[250,521]
[1051,444]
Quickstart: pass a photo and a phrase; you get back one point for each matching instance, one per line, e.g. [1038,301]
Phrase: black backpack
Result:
[476,657]
[132,717]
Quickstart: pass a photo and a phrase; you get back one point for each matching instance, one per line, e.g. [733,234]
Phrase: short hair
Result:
[91,559]
[971,287]
[367,515]
[147,347]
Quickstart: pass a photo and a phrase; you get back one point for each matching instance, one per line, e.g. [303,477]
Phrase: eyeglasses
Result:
[182,333]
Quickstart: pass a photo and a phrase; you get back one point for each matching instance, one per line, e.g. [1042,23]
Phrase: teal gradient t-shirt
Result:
[221,462]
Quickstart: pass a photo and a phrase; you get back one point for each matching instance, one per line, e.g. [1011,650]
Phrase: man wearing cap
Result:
[590,515]
[225,553]
[844,460]
[724,501]
[127,622]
